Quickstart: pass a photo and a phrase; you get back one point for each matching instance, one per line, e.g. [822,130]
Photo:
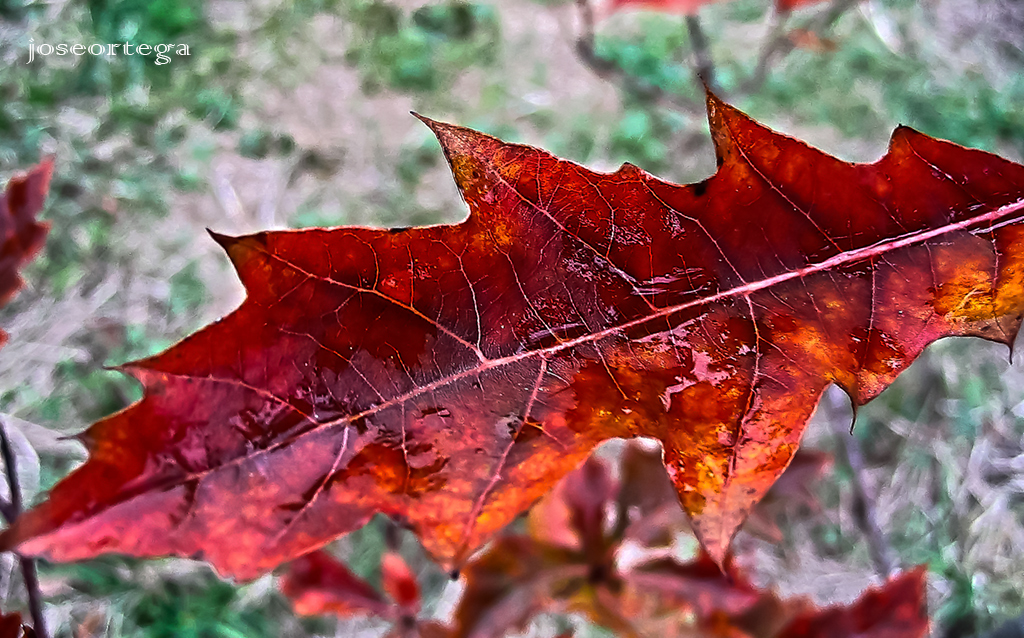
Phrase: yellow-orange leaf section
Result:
[449,376]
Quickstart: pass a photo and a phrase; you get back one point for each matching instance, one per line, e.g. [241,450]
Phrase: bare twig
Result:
[864,512]
[7,511]
[703,64]
[10,512]
[778,42]
[611,72]
[774,42]
[392,536]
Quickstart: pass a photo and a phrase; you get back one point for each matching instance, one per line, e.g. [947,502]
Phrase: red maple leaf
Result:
[21,235]
[449,376]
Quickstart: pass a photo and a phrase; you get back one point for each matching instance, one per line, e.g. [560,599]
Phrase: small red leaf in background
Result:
[400,583]
[449,376]
[317,583]
[21,234]
[894,610]
[568,561]
[11,626]
[811,41]
[789,5]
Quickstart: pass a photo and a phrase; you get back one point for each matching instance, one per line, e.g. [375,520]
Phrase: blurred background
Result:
[288,114]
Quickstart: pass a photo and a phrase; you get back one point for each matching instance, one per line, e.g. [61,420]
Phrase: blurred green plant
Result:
[423,51]
[857,84]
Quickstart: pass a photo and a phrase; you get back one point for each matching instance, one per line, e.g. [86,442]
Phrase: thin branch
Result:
[703,64]
[865,514]
[7,511]
[612,72]
[11,469]
[392,536]
[10,512]
[774,42]
[778,42]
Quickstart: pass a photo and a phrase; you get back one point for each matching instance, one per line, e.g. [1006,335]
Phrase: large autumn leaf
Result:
[21,234]
[449,376]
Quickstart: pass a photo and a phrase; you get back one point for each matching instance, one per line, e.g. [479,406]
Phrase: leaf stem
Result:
[10,512]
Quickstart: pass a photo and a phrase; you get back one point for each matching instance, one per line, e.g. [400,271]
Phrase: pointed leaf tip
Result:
[717,549]
[458,140]
[233,245]
[438,128]
[224,241]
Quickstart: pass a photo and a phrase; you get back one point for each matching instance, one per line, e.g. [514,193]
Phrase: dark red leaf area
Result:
[21,235]
[318,584]
[449,376]
[895,610]
[11,626]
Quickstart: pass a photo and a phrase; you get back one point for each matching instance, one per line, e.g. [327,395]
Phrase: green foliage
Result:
[655,55]
[192,604]
[146,21]
[423,51]
[861,88]
[967,109]
[638,138]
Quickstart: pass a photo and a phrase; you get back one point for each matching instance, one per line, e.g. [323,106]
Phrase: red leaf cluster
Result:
[576,558]
[573,560]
